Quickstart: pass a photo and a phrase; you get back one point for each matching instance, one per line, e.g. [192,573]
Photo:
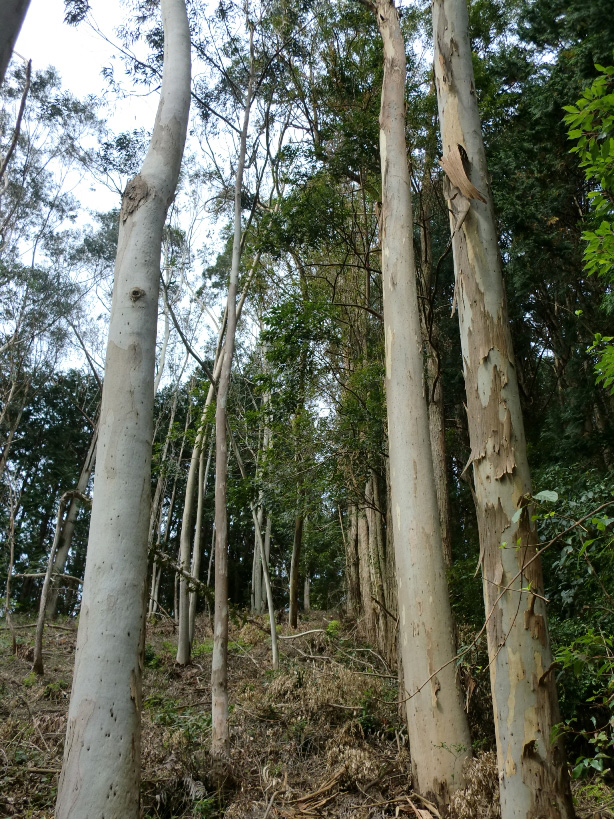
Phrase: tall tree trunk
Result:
[297,543]
[376,562]
[37,664]
[433,365]
[101,770]
[203,475]
[263,558]
[435,716]
[364,575]
[257,564]
[532,769]
[267,558]
[68,528]
[220,737]
[12,15]
[184,643]
[352,578]
[157,576]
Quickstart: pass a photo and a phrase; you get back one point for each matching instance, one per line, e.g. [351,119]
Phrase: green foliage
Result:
[589,659]
[56,691]
[579,572]
[192,722]
[151,658]
[333,629]
[591,126]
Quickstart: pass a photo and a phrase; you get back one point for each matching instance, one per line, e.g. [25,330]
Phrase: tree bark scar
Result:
[137,191]
[444,50]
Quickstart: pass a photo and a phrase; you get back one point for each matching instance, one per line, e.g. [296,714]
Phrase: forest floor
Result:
[320,737]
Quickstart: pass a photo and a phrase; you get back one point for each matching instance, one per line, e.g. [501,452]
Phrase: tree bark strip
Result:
[532,771]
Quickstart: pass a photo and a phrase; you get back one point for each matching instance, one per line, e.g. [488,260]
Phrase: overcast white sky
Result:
[80,54]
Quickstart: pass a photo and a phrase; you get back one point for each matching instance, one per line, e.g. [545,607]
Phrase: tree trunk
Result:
[377,562]
[294,565]
[532,771]
[436,720]
[352,578]
[101,770]
[364,574]
[267,557]
[68,528]
[433,366]
[12,15]
[257,565]
[37,664]
[203,475]
[153,603]
[220,737]
[184,644]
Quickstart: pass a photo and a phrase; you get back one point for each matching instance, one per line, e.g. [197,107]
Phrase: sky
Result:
[79,54]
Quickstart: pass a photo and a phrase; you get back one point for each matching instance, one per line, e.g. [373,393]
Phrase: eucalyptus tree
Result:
[39,293]
[532,772]
[435,716]
[101,769]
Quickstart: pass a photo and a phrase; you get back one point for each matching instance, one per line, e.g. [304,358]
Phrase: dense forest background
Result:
[307,407]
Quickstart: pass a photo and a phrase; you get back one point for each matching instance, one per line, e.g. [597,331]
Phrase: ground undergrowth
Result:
[320,737]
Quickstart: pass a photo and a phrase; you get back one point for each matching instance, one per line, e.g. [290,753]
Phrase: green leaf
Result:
[546,495]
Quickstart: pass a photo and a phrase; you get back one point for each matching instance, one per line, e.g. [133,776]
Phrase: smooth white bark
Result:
[101,771]
[220,737]
[437,725]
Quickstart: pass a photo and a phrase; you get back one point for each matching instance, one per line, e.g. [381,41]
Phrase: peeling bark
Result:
[532,771]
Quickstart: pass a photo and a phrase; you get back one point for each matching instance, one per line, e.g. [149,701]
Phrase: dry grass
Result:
[316,736]
[320,738]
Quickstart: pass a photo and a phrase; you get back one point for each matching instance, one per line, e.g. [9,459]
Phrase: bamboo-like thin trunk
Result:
[294,566]
[267,558]
[263,559]
[164,538]
[184,643]
[220,737]
[364,574]
[68,528]
[203,476]
[257,565]
[37,664]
